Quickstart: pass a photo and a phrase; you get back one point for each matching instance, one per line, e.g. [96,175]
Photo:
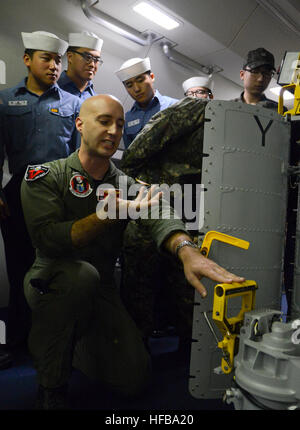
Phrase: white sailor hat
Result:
[198,81]
[44,41]
[133,67]
[85,39]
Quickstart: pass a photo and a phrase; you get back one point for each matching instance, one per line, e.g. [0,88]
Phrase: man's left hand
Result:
[196,266]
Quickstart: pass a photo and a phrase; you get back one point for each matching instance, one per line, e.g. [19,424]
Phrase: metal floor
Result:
[167,391]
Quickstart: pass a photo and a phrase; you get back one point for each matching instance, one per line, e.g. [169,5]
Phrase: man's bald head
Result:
[97,103]
[100,123]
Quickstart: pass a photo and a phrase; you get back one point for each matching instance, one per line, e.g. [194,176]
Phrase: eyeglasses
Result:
[264,73]
[88,57]
[198,92]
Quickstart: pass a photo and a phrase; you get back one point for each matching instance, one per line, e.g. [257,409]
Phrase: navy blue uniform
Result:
[137,117]
[68,85]
[33,129]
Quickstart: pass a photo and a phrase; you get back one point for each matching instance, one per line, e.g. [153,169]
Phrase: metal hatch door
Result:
[245,177]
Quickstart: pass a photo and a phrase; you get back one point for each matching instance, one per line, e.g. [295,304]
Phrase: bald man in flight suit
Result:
[77,315]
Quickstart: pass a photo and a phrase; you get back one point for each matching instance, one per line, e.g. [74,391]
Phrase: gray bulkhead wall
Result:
[245,176]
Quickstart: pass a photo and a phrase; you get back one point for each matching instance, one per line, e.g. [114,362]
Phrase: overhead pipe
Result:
[111,23]
[279,12]
[130,33]
[186,62]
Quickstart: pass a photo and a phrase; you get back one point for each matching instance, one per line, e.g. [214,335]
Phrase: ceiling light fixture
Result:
[156,15]
[286,95]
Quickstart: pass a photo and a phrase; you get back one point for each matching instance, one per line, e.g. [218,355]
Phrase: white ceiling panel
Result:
[221,19]
[214,32]
[217,32]
[263,29]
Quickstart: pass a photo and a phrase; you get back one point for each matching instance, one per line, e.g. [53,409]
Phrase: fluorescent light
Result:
[286,95]
[156,15]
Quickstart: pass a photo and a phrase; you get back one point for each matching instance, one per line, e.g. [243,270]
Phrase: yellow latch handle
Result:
[295,83]
[222,237]
[227,345]
[280,99]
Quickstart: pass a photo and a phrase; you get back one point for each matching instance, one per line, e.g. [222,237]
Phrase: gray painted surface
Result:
[246,197]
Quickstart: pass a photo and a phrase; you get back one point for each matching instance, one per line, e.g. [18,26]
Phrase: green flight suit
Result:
[80,319]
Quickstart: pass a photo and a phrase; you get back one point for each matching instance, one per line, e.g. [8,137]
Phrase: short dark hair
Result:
[72,48]
[30,52]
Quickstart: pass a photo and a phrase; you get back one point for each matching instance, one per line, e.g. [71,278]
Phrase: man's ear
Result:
[27,60]
[69,56]
[79,123]
[242,73]
[152,76]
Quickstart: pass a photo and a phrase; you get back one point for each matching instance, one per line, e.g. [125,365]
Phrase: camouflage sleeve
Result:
[178,120]
[161,229]
[160,221]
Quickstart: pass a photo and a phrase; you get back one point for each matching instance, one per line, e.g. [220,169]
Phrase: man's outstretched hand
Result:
[196,266]
[114,207]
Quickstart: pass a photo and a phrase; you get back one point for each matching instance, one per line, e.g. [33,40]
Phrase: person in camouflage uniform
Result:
[168,150]
[256,74]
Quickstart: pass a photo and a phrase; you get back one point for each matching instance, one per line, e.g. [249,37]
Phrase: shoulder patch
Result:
[35,172]
[79,186]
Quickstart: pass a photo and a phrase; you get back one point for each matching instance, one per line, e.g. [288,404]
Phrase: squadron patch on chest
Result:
[35,172]
[79,186]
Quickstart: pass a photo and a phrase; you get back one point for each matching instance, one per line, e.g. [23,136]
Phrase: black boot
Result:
[52,398]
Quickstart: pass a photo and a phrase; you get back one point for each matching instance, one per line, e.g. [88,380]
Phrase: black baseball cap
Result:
[259,57]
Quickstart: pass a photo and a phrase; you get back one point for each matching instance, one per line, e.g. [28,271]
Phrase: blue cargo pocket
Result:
[62,121]
[18,122]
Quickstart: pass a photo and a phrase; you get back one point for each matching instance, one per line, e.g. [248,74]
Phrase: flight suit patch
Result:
[80,186]
[35,172]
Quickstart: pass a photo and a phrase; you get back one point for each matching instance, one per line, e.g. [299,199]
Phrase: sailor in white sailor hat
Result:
[138,80]
[200,87]
[44,41]
[84,58]
[47,45]
[39,122]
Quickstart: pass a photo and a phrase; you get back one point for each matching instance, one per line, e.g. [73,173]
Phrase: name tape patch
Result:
[132,123]
[17,103]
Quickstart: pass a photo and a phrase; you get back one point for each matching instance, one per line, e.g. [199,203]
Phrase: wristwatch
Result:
[184,243]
